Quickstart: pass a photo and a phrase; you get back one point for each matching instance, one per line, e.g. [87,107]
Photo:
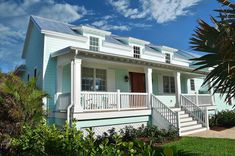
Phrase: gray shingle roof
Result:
[53,25]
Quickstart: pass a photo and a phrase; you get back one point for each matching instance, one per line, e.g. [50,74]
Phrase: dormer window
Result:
[136,51]
[167,58]
[94,43]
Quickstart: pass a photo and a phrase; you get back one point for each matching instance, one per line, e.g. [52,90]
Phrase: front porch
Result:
[96,85]
[100,91]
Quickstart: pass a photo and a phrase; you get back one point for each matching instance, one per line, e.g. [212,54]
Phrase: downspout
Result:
[71,95]
[72,90]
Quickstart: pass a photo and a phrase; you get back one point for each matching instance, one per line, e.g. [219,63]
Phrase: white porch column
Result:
[149,83]
[76,85]
[177,88]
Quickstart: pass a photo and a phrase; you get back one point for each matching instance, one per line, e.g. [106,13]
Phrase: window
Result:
[168,84]
[168,58]
[136,51]
[35,73]
[93,79]
[192,84]
[94,43]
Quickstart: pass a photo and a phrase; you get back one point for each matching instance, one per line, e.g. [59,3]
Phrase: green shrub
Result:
[49,140]
[150,132]
[223,119]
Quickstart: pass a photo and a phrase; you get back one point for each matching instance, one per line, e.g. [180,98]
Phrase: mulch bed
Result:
[158,144]
[216,128]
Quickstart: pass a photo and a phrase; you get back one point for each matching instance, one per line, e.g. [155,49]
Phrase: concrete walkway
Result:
[223,133]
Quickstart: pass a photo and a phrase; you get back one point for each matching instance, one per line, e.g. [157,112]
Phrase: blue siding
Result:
[120,82]
[34,55]
[50,83]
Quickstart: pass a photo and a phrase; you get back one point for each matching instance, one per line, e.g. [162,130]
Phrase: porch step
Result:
[188,123]
[187,132]
[185,119]
[190,127]
[184,115]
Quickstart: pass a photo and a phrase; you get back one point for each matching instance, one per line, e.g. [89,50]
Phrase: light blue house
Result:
[102,80]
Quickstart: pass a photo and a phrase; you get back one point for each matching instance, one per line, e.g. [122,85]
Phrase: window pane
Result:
[172,83]
[136,51]
[168,58]
[166,86]
[192,84]
[100,84]
[94,43]
[87,79]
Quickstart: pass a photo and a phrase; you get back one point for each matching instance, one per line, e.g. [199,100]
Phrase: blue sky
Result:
[162,22]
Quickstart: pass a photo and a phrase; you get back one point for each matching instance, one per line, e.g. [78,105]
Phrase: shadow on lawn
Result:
[172,151]
[186,153]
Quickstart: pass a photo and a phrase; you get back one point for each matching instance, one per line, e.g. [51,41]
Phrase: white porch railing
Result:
[171,116]
[195,111]
[98,101]
[200,99]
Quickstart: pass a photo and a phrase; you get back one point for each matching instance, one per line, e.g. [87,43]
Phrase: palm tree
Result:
[218,41]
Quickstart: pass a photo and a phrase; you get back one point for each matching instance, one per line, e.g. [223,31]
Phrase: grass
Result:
[204,146]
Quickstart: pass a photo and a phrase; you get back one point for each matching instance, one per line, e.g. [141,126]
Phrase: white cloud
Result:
[103,24]
[161,11]
[14,17]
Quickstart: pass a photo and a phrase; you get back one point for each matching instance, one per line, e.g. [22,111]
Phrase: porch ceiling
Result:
[125,59]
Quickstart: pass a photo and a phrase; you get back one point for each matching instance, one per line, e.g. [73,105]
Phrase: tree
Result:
[20,104]
[218,41]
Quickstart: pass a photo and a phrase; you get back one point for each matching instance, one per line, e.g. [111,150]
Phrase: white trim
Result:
[149,53]
[110,114]
[117,46]
[64,36]
[91,30]
[168,49]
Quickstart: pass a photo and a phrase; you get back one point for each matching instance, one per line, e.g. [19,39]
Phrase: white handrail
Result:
[199,99]
[98,101]
[195,111]
[165,112]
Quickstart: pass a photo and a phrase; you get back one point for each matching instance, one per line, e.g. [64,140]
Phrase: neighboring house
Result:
[103,80]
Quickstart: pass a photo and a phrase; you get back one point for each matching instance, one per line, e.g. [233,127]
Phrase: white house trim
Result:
[65,36]
[110,114]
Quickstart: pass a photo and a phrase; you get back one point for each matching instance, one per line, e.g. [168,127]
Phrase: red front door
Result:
[137,82]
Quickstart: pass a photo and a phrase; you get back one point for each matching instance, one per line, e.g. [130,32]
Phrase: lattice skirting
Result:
[101,129]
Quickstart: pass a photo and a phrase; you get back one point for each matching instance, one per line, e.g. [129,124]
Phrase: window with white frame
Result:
[168,84]
[167,58]
[136,51]
[93,79]
[94,43]
[192,84]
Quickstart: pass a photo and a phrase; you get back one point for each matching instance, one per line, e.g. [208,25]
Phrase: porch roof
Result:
[125,59]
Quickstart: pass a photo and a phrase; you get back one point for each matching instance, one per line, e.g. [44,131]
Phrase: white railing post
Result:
[118,100]
[178,122]
[207,118]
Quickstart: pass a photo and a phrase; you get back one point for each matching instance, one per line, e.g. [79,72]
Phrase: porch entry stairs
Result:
[187,119]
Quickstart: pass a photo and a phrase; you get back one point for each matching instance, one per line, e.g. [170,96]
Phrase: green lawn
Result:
[205,146]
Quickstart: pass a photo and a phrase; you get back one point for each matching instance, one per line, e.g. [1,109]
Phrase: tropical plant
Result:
[223,119]
[20,103]
[218,41]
